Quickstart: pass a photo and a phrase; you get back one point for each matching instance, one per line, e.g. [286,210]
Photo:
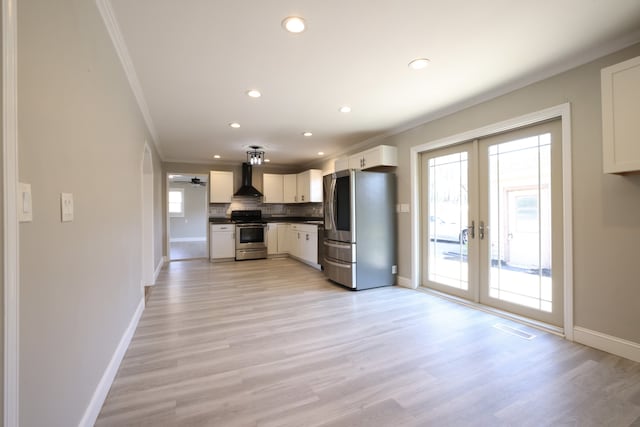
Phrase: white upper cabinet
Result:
[273,188]
[382,155]
[620,117]
[341,164]
[309,185]
[289,188]
[220,186]
[293,188]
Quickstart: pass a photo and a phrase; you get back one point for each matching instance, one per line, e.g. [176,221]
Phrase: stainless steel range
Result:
[250,234]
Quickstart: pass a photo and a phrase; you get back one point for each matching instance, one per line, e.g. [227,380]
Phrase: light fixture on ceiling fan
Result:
[255,156]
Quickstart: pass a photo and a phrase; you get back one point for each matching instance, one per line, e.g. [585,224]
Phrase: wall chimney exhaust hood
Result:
[247,189]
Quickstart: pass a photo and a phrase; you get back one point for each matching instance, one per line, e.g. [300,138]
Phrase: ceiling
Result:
[194,61]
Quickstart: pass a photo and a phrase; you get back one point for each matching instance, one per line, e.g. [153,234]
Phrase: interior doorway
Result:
[188,216]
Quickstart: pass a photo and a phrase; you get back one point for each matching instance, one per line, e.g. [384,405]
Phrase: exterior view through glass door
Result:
[493,233]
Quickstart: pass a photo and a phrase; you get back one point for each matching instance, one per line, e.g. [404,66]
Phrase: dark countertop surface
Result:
[304,219]
[219,220]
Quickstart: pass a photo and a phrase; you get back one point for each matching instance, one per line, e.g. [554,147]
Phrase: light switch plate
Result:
[66,205]
[25,203]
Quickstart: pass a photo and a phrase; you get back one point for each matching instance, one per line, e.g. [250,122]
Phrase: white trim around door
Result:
[563,112]
[10,211]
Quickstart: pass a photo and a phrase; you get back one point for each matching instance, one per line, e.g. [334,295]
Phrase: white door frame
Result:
[562,111]
[148,239]
[10,211]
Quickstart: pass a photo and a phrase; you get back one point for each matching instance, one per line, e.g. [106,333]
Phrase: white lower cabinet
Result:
[222,242]
[303,241]
[299,241]
[276,238]
[283,229]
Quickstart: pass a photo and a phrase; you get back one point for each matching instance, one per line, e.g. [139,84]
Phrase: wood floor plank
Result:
[273,343]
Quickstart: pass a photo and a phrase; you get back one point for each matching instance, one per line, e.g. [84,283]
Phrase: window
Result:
[176,202]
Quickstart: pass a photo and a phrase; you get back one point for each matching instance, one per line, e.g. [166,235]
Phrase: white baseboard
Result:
[188,239]
[405,282]
[157,270]
[101,391]
[608,343]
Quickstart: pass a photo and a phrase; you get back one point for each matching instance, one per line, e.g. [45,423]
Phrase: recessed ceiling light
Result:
[307,134]
[267,160]
[234,125]
[345,109]
[419,63]
[294,24]
[254,93]
[320,153]
[217,156]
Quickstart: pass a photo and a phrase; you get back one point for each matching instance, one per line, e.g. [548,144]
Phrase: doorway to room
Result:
[187,214]
[492,221]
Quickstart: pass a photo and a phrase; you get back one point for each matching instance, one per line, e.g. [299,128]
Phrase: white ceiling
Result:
[195,60]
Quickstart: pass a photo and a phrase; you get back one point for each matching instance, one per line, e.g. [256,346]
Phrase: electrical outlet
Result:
[394,269]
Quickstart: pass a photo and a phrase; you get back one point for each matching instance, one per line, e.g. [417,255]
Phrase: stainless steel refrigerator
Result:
[360,228]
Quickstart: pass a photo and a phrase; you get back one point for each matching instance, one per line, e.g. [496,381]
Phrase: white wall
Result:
[606,207]
[80,131]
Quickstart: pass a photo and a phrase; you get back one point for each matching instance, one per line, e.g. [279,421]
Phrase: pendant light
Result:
[255,156]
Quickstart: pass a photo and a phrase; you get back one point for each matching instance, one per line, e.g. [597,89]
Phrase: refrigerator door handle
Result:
[335,264]
[334,196]
[337,245]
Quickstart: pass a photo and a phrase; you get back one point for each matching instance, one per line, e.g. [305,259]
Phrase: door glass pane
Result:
[447,220]
[343,204]
[520,222]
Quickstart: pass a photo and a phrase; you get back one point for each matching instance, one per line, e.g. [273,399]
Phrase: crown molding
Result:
[110,21]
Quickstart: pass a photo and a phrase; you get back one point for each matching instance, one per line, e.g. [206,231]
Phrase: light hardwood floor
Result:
[273,343]
[187,250]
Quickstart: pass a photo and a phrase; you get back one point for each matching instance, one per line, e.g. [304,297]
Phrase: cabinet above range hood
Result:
[247,189]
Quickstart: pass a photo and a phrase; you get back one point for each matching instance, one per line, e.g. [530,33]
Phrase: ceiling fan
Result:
[195,181]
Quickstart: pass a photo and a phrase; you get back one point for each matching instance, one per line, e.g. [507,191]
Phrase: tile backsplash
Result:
[222,210]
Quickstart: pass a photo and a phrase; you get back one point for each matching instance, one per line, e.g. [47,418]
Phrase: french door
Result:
[492,223]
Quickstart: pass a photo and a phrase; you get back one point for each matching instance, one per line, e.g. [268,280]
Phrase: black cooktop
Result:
[247,216]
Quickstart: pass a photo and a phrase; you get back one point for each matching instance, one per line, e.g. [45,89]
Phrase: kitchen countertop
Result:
[302,219]
[220,221]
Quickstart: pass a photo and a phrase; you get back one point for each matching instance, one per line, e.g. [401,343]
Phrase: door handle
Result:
[471,229]
[481,230]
